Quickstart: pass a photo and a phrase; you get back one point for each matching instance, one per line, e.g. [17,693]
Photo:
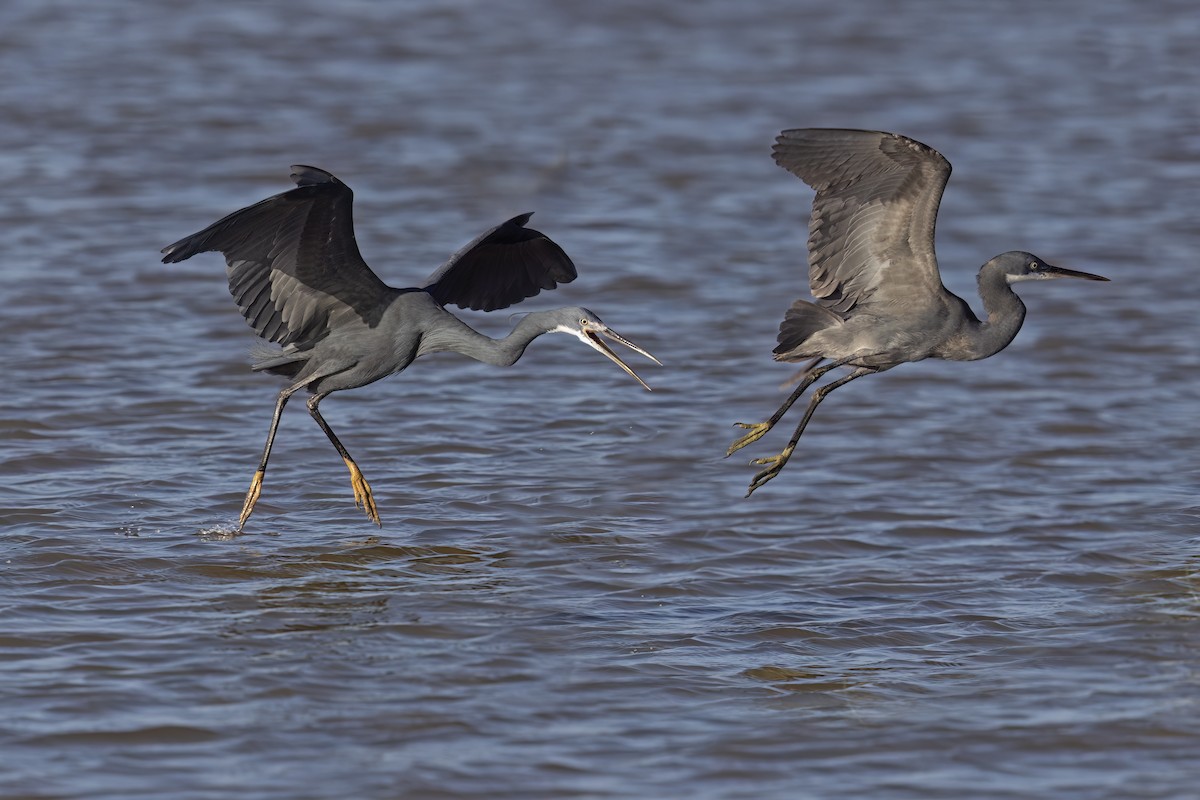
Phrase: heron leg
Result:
[362,490]
[256,482]
[759,429]
[775,464]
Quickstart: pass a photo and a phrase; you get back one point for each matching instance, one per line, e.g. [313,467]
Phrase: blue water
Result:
[973,580]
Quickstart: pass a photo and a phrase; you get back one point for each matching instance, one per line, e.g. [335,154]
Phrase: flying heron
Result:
[879,299]
[297,276]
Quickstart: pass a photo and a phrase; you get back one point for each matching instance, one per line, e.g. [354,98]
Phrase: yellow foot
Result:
[362,493]
[251,499]
[773,464]
[757,430]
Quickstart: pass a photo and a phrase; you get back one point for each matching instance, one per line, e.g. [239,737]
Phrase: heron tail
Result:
[800,322]
[287,361]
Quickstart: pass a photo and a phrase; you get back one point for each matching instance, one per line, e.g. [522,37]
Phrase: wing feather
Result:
[292,261]
[872,225]
[501,267]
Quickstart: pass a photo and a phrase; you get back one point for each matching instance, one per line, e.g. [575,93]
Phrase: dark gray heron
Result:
[879,299]
[296,273]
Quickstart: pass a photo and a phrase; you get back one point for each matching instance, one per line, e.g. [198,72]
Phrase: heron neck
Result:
[497,352]
[1005,313]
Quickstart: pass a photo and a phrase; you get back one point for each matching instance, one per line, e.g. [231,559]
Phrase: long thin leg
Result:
[775,464]
[256,482]
[362,490]
[759,429]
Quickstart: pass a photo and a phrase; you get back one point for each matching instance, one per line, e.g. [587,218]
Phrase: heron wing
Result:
[292,261]
[872,226]
[503,266]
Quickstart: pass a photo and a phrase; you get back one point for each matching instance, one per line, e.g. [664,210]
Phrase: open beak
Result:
[1051,271]
[591,336]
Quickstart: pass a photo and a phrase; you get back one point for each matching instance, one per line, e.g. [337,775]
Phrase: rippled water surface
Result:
[974,580]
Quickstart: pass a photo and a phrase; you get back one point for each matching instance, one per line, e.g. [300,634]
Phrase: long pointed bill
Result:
[591,337]
[1051,271]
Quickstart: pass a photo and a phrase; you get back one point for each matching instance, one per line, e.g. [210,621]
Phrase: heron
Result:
[878,296]
[296,273]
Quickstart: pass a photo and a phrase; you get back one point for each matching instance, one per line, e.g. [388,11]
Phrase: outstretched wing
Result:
[503,266]
[292,261]
[871,231]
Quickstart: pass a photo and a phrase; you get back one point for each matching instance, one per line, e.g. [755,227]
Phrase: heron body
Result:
[878,299]
[295,271]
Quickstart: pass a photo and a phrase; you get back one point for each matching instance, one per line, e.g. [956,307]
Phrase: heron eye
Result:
[1034,265]
[583,323]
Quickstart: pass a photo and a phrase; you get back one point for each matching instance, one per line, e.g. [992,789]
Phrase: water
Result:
[974,580]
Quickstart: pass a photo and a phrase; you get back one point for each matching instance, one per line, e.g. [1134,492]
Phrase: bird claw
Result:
[251,498]
[774,465]
[362,494]
[757,431]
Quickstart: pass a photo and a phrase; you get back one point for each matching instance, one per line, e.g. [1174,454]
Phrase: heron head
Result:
[1018,265]
[592,331]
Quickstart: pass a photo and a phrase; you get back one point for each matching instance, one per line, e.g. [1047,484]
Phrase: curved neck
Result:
[473,344]
[1005,313]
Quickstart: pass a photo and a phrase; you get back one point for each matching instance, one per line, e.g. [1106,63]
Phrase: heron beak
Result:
[591,337]
[1050,271]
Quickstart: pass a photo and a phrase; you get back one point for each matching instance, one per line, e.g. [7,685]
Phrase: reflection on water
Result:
[974,580]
